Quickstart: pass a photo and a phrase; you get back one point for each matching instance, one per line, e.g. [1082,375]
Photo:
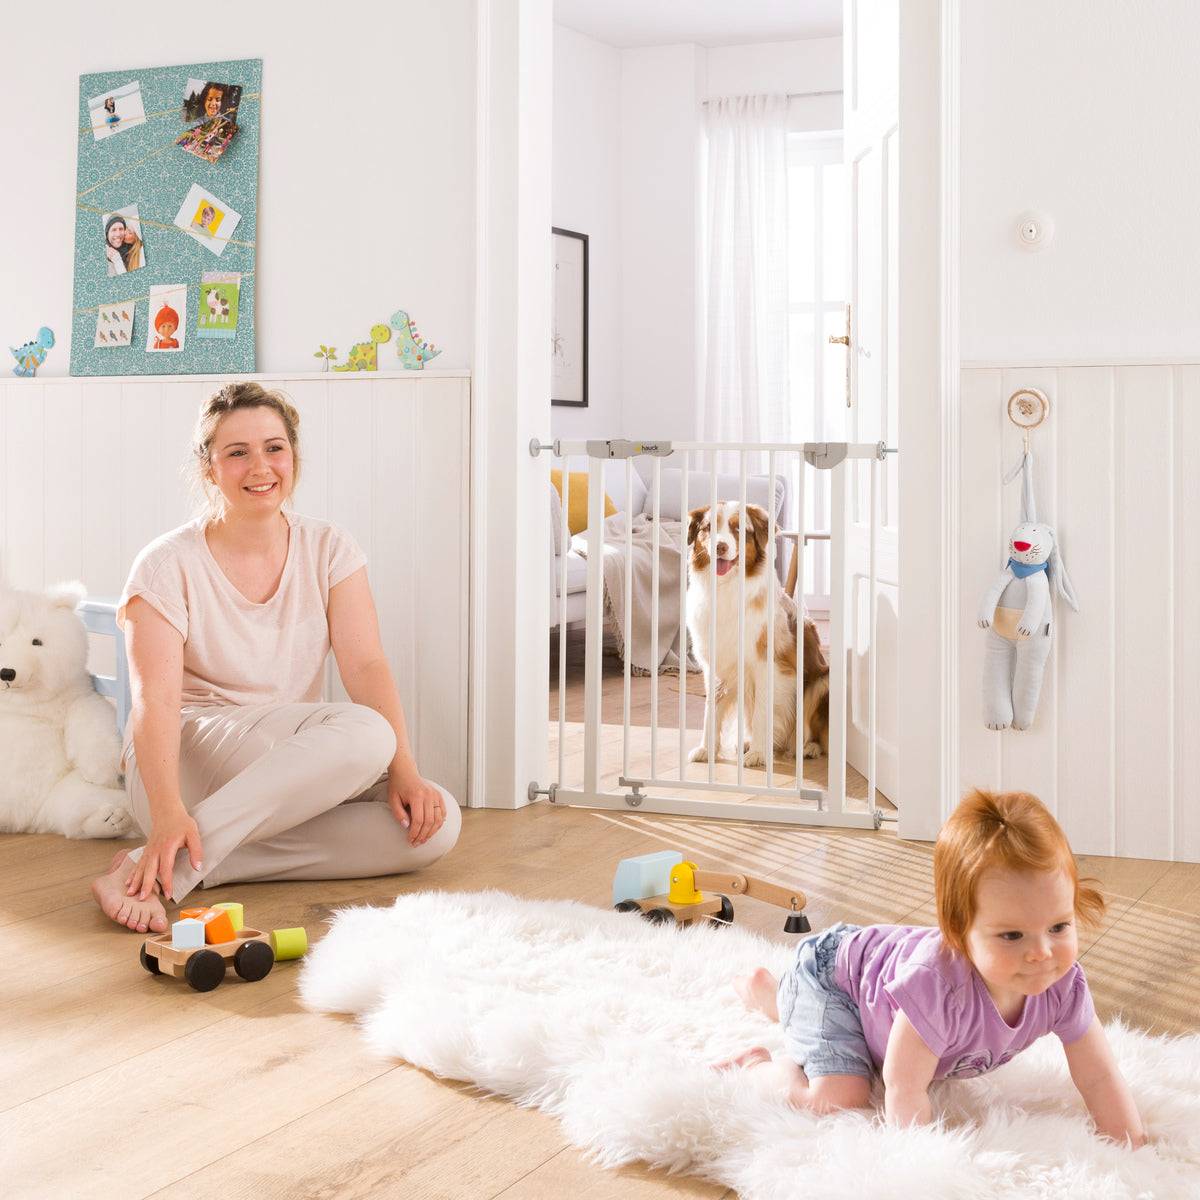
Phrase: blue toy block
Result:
[645,876]
[187,934]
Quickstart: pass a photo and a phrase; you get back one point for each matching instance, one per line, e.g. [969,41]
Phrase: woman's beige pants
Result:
[289,791]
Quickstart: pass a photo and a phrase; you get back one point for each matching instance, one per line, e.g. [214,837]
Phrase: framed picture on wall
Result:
[569,335]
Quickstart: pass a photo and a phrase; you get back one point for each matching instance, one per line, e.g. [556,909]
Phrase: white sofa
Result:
[670,509]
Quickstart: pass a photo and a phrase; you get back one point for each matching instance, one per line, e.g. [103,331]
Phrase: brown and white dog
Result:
[713,536]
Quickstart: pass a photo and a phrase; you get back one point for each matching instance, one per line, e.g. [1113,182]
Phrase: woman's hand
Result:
[416,804]
[157,864]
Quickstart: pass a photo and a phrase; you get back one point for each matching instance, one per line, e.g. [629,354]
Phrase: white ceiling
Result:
[629,23]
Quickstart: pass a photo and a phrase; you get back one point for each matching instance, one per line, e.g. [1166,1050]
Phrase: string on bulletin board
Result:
[135,299]
[166,220]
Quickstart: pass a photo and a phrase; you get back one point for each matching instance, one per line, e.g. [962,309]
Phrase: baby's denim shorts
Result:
[822,1028]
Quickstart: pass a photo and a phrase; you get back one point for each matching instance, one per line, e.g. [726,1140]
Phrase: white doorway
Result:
[924,356]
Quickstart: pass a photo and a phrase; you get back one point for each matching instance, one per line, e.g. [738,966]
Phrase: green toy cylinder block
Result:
[236,913]
[289,943]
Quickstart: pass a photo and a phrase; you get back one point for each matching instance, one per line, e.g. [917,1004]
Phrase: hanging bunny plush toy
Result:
[1017,610]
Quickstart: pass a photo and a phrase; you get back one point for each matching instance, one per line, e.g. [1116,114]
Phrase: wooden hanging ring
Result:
[1028,408]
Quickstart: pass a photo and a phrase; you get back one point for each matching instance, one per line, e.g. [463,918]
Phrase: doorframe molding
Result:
[929,415]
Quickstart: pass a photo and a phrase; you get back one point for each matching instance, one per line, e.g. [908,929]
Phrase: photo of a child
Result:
[166,321]
[206,101]
[206,220]
[166,318]
[116,111]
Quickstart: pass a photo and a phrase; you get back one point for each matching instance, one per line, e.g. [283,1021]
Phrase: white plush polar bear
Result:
[1018,611]
[59,745]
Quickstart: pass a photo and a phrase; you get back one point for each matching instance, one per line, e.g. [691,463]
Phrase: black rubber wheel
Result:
[149,961]
[725,916]
[204,970]
[627,906]
[660,916]
[253,961]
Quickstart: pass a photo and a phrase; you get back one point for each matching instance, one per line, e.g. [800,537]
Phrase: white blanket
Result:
[610,1023]
[634,628]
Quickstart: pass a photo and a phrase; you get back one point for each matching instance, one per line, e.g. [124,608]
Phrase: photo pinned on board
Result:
[124,250]
[210,111]
[208,142]
[208,100]
[168,317]
[207,218]
[117,111]
[114,326]
[217,315]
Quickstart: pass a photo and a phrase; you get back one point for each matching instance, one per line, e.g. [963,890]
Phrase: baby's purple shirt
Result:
[885,968]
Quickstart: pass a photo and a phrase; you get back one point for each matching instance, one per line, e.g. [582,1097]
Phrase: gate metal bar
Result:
[830,807]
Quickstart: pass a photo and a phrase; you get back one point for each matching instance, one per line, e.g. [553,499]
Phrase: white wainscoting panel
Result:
[95,468]
[1113,751]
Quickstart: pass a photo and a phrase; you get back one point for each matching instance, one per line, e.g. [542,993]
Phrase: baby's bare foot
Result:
[757,992]
[747,1058]
[142,916]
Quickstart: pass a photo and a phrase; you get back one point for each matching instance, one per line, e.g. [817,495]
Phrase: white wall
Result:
[93,469]
[366,197]
[1086,110]
[661,195]
[794,68]
[1112,751]
[586,198]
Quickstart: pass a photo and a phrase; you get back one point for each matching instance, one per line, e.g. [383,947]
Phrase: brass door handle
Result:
[845,341]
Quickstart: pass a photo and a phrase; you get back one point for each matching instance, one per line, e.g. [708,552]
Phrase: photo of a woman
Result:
[122,245]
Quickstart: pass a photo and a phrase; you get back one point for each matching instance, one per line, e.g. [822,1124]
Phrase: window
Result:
[818,287]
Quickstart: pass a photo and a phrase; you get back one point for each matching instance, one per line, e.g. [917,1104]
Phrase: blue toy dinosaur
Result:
[31,355]
[414,353]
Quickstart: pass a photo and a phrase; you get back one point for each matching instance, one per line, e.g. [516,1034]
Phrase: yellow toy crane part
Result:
[685,902]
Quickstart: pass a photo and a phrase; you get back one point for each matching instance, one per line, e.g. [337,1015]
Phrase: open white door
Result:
[871,115]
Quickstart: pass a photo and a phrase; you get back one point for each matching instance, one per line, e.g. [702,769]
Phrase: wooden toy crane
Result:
[639,879]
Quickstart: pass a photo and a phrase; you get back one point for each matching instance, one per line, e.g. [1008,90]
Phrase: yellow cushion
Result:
[577,507]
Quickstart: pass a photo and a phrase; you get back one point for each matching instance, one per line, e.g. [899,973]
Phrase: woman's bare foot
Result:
[142,916]
[757,992]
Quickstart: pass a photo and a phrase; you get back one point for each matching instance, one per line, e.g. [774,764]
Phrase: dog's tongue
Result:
[723,564]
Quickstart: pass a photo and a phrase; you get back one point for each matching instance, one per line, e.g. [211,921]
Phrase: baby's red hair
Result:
[1005,830]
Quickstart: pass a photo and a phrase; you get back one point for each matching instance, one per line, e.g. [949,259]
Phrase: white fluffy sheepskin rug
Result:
[610,1024]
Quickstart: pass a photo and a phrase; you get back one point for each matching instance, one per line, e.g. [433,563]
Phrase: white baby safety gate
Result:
[655,773]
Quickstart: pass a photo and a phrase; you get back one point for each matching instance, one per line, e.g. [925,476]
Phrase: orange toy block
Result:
[218,926]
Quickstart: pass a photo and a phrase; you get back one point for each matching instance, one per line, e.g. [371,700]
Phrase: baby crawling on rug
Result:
[914,1004]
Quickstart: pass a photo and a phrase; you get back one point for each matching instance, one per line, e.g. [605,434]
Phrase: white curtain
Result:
[746,362]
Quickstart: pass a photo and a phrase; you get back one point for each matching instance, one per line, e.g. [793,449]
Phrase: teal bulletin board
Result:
[166,219]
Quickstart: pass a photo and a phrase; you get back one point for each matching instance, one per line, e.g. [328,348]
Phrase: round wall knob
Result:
[1034,230]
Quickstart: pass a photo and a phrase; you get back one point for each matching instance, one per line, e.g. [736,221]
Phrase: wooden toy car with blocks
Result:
[201,943]
[204,966]
[663,887]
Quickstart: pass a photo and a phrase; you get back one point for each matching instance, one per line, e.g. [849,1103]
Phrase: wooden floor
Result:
[116,1083]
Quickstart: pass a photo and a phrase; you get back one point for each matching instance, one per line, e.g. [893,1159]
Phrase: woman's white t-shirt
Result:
[234,650]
